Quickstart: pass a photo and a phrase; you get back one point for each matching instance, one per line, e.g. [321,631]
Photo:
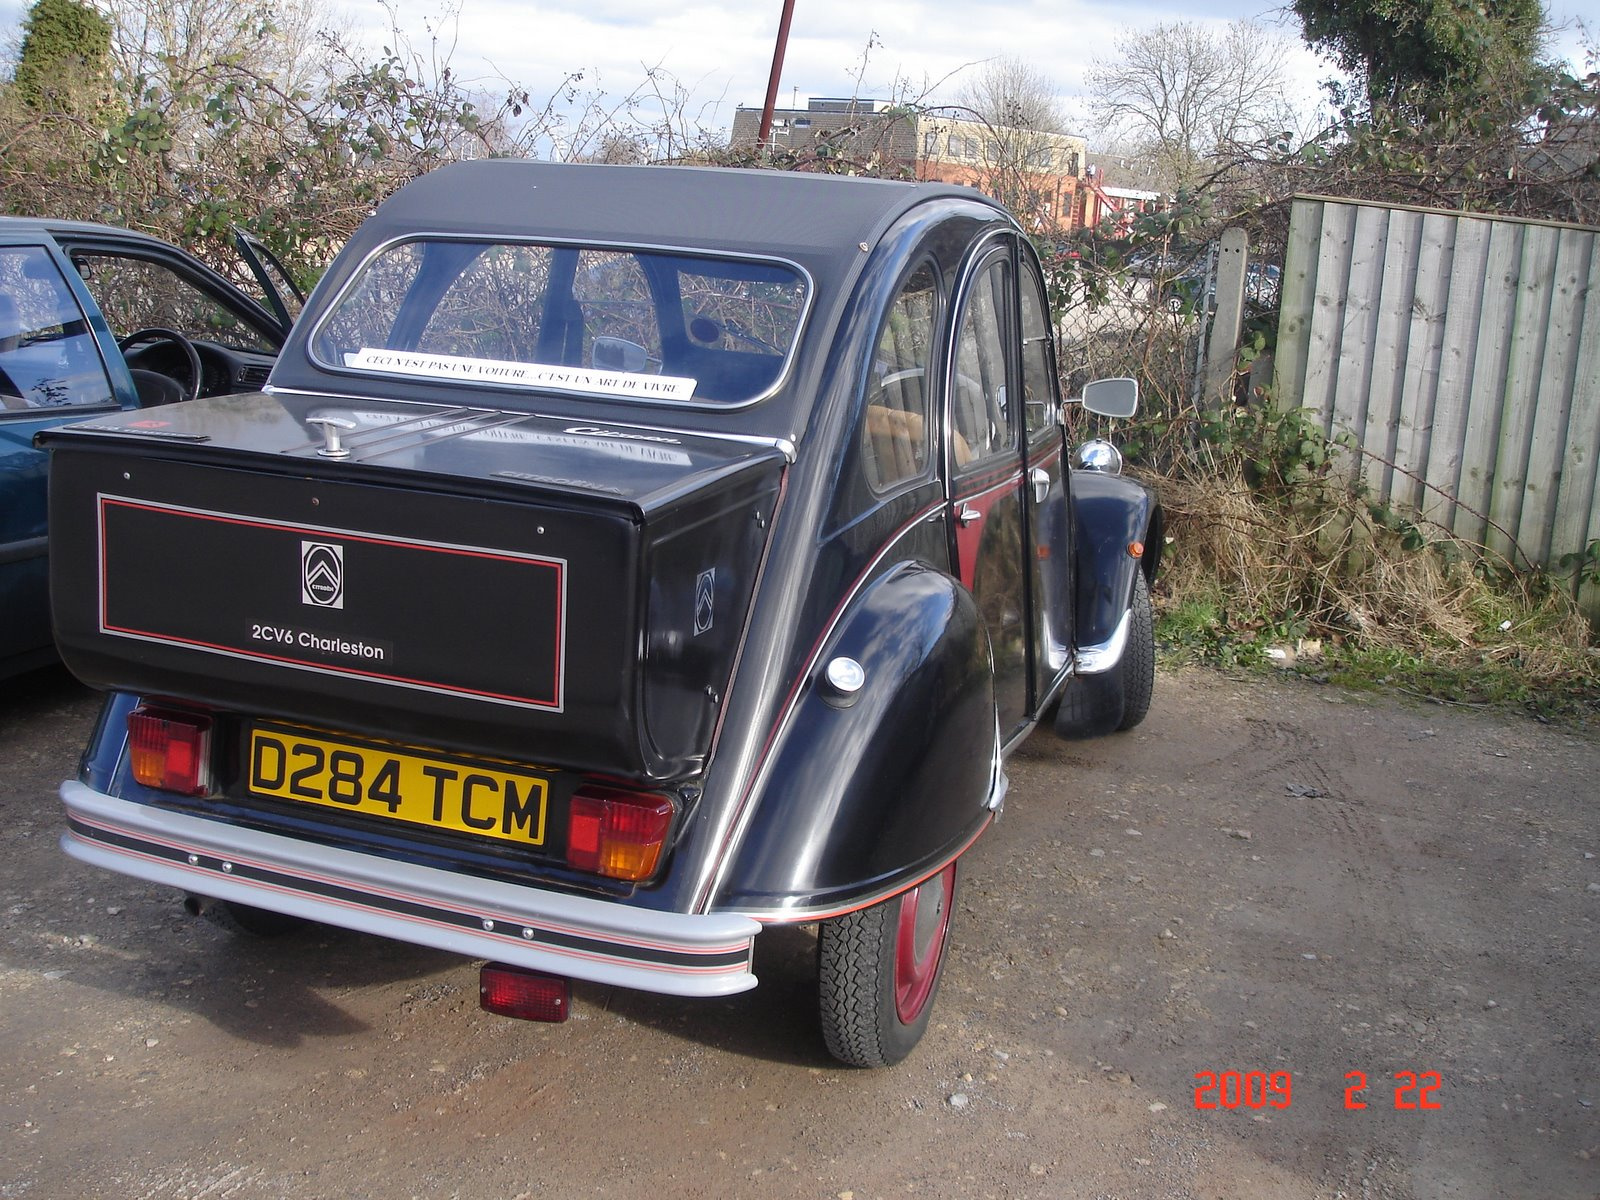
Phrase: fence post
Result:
[1222,351]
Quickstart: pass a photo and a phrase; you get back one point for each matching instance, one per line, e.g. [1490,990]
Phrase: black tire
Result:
[1138,668]
[878,972]
[242,920]
[1095,705]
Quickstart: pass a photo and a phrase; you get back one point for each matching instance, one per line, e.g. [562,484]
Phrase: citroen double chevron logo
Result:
[322,574]
[705,594]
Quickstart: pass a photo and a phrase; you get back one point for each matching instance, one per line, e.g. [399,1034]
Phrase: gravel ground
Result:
[1269,882]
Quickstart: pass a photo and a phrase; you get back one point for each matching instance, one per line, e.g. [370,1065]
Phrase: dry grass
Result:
[1271,548]
[1313,566]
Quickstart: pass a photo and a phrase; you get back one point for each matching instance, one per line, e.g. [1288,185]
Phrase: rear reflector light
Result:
[615,833]
[525,995]
[171,750]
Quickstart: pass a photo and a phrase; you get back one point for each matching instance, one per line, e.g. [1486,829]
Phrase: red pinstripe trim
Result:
[806,916]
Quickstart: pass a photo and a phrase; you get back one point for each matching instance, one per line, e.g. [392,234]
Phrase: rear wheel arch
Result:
[862,794]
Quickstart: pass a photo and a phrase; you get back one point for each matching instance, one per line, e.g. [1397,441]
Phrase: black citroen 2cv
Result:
[618,560]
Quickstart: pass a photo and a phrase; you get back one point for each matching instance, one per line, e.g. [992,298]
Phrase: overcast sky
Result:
[720,51]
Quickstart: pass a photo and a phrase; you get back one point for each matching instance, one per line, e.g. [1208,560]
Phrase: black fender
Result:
[865,794]
[1112,512]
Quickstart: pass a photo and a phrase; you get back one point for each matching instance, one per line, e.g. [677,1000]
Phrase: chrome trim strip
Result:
[783,445]
[1103,656]
[597,940]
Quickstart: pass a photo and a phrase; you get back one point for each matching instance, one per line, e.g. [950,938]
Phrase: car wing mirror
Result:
[618,354]
[1111,397]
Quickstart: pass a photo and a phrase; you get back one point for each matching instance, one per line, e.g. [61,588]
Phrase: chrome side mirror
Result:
[1112,397]
[618,354]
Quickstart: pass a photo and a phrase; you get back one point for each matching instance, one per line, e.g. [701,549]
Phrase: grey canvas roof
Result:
[822,223]
[818,220]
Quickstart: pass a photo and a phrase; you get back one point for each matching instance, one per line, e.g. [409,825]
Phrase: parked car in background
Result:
[1182,290]
[620,560]
[94,320]
[1261,282]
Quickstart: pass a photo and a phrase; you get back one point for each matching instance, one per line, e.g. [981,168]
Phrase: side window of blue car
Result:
[48,357]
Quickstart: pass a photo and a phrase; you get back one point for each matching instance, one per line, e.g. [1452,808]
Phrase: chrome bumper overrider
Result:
[597,940]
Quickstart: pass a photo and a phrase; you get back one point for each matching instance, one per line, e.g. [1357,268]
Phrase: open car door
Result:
[278,287]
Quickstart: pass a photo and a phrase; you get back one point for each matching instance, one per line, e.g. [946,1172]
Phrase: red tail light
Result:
[171,750]
[527,995]
[617,833]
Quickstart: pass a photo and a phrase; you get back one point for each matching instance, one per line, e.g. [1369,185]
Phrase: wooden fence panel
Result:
[1527,336]
[1424,354]
[1462,355]
[1395,289]
[1463,310]
[1490,356]
[1577,519]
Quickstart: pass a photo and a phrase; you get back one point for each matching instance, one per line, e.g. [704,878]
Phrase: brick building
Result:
[1039,175]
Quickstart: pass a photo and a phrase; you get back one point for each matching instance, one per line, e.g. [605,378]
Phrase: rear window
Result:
[630,324]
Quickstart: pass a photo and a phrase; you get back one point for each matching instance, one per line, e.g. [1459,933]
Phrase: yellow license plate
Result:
[488,799]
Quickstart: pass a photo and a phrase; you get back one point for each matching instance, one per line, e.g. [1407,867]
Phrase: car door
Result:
[1048,507]
[139,283]
[278,287]
[988,518]
[53,369]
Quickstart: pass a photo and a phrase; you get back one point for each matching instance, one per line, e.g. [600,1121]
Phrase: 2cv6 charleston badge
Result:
[618,561]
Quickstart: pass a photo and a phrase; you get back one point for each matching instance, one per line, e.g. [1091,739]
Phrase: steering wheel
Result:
[156,334]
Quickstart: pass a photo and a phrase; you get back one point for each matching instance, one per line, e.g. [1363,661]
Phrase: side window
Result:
[138,293]
[48,357]
[1040,410]
[980,414]
[895,438]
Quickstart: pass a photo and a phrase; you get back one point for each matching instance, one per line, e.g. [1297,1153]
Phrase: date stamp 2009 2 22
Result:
[1413,1092]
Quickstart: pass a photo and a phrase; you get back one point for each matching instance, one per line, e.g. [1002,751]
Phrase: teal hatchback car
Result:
[95,319]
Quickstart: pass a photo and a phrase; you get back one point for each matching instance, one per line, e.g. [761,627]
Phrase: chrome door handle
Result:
[1040,478]
[966,514]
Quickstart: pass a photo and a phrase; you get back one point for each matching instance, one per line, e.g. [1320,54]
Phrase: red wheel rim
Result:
[919,942]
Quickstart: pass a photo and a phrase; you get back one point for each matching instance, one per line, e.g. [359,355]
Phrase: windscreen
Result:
[630,324]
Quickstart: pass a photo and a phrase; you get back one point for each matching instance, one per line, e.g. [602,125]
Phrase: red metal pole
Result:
[765,131]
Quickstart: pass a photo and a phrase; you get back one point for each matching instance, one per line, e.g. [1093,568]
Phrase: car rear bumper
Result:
[597,940]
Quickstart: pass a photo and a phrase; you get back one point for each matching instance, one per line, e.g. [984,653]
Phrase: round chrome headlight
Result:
[1098,455]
